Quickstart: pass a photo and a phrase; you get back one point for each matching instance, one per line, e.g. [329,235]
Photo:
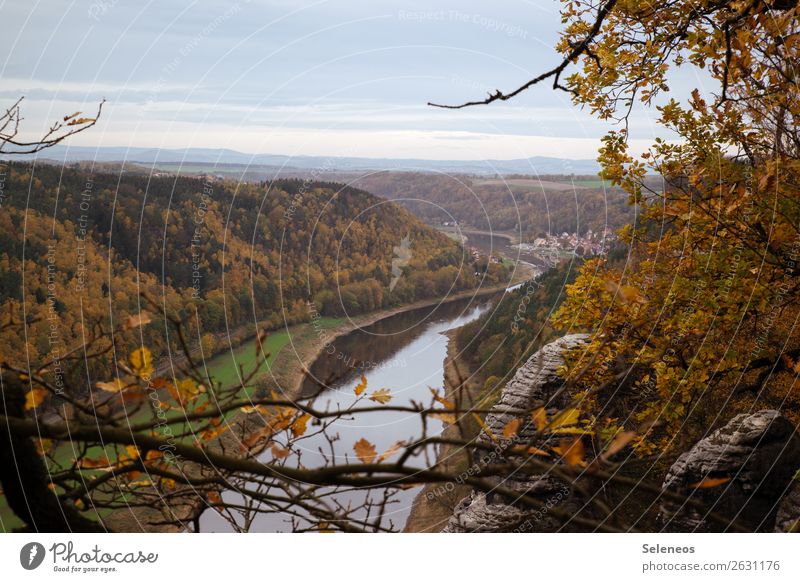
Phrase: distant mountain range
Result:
[224,157]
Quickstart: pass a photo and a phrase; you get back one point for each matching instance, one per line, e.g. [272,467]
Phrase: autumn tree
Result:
[700,320]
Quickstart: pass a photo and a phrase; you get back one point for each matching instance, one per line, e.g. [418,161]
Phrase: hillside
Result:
[527,205]
[77,249]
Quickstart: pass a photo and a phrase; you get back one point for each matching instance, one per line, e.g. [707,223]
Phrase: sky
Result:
[297,77]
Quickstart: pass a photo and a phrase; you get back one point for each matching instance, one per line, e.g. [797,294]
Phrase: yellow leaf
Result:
[566,418]
[34,398]
[116,385]
[188,388]
[365,451]
[361,386]
[142,361]
[142,318]
[133,451]
[485,428]
[510,429]
[709,482]
[299,425]
[381,396]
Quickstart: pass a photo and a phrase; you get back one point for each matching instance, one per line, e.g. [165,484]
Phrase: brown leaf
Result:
[392,450]
[260,338]
[81,120]
[279,452]
[365,451]
[116,385]
[620,442]
[381,396]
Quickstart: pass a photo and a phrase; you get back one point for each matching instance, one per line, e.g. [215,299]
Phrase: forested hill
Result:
[532,206]
[86,245]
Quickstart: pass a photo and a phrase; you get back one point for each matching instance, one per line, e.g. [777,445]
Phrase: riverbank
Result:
[434,504]
[306,345]
[286,373]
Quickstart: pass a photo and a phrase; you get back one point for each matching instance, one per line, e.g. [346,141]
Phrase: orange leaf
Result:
[443,401]
[359,390]
[709,482]
[510,429]
[571,451]
[299,425]
[445,417]
[34,398]
[365,451]
[279,452]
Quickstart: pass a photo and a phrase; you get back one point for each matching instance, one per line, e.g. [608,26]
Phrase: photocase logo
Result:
[31,555]
[401,258]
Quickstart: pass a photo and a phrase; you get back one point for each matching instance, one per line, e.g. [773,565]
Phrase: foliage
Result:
[700,322]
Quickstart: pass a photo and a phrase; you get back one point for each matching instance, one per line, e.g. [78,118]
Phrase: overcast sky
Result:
[338,77]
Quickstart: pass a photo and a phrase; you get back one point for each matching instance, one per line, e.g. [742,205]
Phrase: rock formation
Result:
[747,466]
[534,384]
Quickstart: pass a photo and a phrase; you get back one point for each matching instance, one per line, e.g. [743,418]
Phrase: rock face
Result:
[788,517]
[757,453]
[534,384]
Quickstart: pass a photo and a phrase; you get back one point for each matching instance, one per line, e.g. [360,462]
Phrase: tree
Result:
[701,319]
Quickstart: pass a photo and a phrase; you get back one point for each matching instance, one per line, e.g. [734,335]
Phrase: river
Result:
[404,353]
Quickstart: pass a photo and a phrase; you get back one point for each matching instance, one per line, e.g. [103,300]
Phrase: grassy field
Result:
[596,183]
